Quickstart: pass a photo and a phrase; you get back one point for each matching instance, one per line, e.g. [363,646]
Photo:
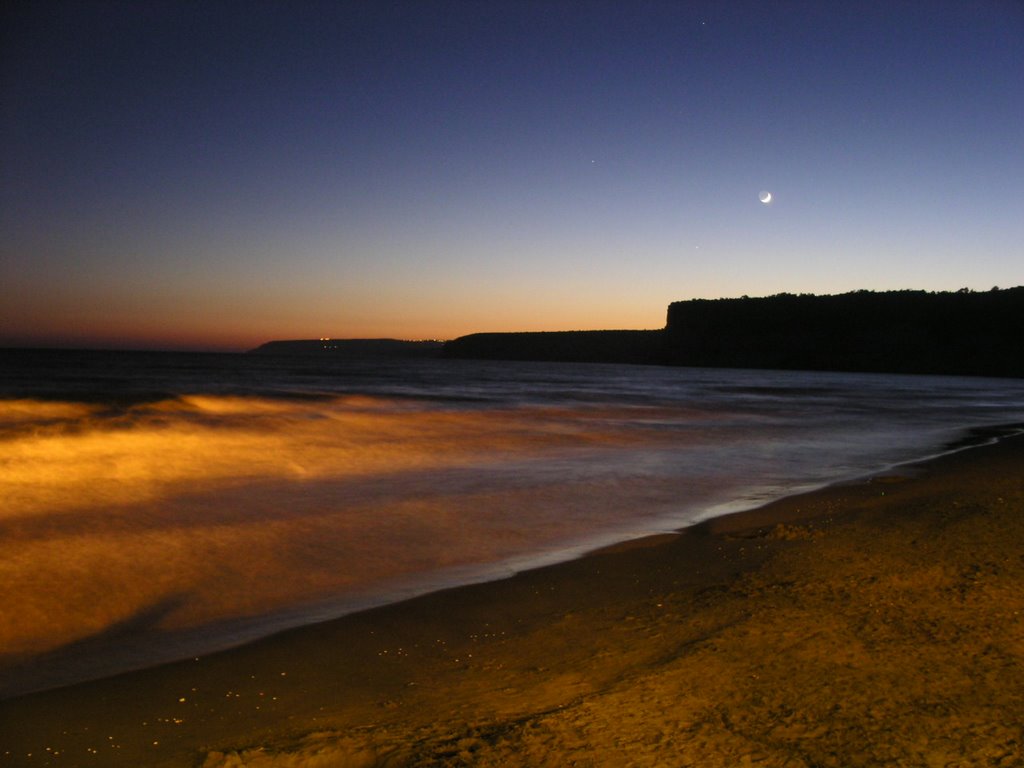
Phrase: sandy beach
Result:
[874,623]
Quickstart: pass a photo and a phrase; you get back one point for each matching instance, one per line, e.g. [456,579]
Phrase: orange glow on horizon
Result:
[204,321]
[240,340]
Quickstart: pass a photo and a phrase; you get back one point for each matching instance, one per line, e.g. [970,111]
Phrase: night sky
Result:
[212,175]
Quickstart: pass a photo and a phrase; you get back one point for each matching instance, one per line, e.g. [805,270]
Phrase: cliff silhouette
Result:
[953,333]
[562,346]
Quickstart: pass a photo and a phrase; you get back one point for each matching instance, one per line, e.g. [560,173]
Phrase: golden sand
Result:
[869,624]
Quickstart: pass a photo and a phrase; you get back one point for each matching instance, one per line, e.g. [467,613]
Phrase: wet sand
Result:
[874,623]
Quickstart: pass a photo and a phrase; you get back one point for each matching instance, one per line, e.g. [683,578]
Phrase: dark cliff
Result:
[898,331]
[561,346]
[962,333]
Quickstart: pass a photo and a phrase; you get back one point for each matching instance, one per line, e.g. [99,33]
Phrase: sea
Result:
[157,506]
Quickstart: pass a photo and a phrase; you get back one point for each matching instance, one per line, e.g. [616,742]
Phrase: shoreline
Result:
[617,648]
[84,662]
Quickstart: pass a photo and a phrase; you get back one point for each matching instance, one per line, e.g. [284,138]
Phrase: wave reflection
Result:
[246,505]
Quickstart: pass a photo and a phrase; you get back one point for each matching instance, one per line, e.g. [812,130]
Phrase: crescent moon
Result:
[765,197]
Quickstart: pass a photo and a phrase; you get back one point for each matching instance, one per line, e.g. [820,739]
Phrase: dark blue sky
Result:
[217,174]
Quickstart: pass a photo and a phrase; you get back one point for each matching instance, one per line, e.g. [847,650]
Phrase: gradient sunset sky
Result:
[212,175]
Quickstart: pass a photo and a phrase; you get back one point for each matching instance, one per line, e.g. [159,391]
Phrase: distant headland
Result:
[953,333]
[359,348]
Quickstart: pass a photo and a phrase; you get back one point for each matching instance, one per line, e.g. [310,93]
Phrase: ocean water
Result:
[156,506]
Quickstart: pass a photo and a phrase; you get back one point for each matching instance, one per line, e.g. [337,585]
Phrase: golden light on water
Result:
[181,512]
[88,459]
